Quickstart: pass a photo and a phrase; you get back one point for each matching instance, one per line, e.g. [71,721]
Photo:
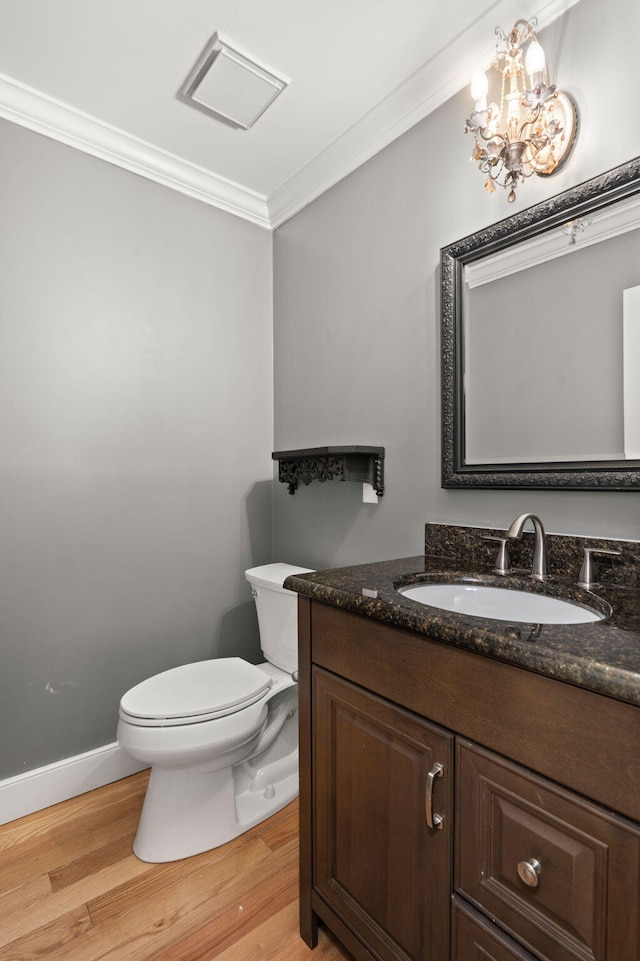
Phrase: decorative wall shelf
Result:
[365,465]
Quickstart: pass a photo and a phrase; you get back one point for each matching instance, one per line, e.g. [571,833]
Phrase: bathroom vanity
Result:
[469,788]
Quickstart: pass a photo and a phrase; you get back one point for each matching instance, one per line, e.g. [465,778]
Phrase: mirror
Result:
[541,344]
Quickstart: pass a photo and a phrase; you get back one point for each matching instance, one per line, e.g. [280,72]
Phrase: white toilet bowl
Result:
[221,737]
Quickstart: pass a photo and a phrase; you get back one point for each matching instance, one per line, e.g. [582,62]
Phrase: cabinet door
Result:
[378,787]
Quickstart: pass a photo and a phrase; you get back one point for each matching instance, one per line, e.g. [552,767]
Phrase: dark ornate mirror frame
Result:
[580,201]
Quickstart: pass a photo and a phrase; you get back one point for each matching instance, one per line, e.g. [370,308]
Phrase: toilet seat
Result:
[193,693]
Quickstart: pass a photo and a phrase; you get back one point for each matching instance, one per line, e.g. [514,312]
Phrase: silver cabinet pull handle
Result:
[529,872]
[434,821]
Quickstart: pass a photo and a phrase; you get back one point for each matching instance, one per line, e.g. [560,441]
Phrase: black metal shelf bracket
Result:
[364,465]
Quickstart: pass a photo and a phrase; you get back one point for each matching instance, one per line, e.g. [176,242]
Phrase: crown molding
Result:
[34,110]
[392,118]
[396,114]
[402,109]
[579,232]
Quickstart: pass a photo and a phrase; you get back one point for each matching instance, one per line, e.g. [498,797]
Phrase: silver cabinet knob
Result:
[529,872]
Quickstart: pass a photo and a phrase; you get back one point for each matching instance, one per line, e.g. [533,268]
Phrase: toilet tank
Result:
[277,613]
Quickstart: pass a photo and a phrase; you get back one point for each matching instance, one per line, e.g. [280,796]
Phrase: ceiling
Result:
[103,76]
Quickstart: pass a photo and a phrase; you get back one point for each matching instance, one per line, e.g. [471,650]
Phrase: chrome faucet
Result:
[539,568]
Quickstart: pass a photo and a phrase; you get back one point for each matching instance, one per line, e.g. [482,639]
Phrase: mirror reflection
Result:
[551,350]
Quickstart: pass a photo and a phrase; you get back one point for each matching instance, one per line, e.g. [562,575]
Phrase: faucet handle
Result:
[502,564]
[587,571]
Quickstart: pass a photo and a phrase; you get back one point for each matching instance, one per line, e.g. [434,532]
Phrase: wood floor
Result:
[71,888]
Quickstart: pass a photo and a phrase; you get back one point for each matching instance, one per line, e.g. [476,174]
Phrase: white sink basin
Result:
[483,600]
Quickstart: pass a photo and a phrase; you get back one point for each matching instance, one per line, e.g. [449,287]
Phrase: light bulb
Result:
[534,61]
[479,89]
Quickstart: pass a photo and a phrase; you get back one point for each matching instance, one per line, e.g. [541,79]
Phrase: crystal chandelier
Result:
[533,128]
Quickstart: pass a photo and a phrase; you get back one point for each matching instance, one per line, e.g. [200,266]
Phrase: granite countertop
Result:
[601,656]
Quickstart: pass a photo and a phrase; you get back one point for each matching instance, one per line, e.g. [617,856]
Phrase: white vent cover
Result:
[227,85]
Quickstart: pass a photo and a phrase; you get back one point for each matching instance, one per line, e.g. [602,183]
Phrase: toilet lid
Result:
[195,692]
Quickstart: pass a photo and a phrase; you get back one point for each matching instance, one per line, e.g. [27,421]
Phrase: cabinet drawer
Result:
[476,939]
[557,872]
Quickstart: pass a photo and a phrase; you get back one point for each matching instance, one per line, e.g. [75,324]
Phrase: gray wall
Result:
[356,313]
[136,398]
[136,432]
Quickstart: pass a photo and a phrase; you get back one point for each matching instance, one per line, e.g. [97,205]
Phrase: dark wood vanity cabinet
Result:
[379,774]
[455,807]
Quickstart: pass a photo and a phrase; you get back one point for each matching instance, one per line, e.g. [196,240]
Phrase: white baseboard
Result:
[44,786]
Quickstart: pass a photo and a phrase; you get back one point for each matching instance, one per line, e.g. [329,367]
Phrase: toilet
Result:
[220,736]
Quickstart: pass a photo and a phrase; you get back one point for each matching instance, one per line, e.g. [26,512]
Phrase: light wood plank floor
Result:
[71,888]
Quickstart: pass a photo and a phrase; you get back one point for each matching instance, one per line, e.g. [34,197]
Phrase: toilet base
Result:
[186,812]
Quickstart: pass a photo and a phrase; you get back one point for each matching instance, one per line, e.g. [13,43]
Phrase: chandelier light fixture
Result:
[533,128]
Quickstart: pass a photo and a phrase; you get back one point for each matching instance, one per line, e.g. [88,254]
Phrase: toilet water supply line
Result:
[274,725]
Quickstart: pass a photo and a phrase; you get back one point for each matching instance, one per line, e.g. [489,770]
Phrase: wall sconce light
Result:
[533,129]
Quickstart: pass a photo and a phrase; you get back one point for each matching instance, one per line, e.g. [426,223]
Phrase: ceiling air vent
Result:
[225,84]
